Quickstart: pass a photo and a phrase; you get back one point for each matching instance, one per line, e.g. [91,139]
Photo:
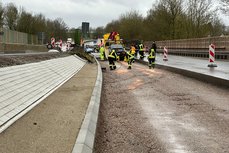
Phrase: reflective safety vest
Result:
[151,53]
[129,55]
[132,50]
[141,47]
[112,54]
[102,51]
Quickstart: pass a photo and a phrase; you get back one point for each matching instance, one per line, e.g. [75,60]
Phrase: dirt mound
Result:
[24,59]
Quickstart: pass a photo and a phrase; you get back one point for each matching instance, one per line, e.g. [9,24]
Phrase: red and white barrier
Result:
[165,56]
[53,42]
[60,43]
[212,56]
[68,46]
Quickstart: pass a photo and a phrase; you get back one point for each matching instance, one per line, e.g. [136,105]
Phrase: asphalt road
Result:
[156,111]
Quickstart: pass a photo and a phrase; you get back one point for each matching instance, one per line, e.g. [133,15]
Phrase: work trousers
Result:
[130,61]
[112,63]
[151,62]
[141,53]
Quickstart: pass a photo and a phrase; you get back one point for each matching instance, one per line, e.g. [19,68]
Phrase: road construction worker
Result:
[130,58]
[133,51]
[141,51]
[136,50]
[112,58]
[102,52]
[154,46]
[151,57]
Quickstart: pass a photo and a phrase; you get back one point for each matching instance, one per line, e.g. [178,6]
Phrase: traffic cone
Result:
[212,56]
[165,56]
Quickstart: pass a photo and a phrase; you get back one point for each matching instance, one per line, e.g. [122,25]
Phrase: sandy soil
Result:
[142,111]
[153,111]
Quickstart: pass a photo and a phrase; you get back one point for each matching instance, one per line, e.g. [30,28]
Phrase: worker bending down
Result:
[130,59]
[112,58]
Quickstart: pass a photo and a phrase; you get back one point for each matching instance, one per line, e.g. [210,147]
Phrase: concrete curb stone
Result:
[86,137]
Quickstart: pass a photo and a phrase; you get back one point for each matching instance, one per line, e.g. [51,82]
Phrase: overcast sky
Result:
[74,12]
[96,12]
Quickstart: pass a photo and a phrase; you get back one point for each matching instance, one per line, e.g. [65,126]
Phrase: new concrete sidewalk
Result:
[196,68]
[22,87]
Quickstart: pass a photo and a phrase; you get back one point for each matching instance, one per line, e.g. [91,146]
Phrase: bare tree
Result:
[29,23]
[174,9]
[60,28]
[99,31]
[131,25]
[11,15]
[1,15]
[157,23]
[39,23]
[199,13]
[24,22]
[224,6]
[163,19]
[112,26]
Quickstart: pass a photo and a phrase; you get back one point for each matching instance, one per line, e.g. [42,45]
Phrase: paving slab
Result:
[22,87]
[54,124]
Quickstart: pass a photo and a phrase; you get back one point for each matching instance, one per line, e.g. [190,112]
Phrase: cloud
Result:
[74,12]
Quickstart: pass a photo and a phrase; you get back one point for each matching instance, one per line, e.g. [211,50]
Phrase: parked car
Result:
[120,50]
[89,49]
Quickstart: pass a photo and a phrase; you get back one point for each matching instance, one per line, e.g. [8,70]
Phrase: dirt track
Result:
[153,111]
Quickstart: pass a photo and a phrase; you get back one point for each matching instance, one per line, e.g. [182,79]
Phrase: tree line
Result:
[18,19]
[165,20]
[171,19]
